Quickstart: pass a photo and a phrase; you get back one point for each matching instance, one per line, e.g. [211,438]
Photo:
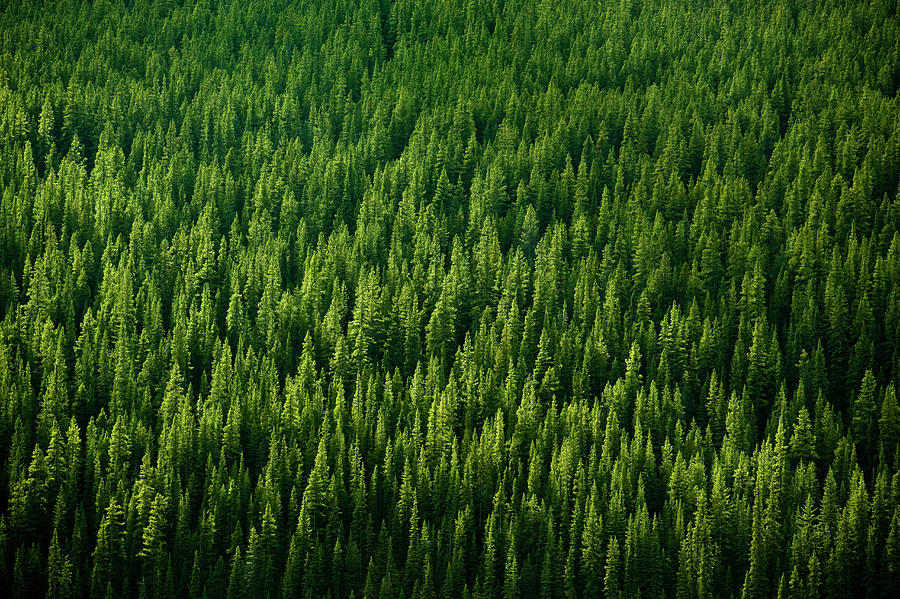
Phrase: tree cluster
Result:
[438,299]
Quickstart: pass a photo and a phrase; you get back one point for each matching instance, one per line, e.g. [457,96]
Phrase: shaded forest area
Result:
[496,299]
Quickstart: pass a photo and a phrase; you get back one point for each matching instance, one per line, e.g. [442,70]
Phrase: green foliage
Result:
[439,299]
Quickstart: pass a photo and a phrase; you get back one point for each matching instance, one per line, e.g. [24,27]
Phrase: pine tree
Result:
[889,423]
[863,413]
[59,571]
[613,576]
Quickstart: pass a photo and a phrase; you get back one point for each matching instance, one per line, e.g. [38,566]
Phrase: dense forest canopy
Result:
[427,298]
